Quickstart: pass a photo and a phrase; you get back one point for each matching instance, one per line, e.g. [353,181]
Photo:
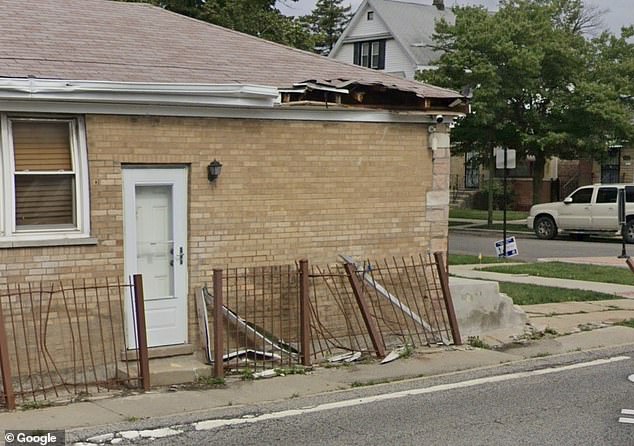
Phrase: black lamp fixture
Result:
[213,170]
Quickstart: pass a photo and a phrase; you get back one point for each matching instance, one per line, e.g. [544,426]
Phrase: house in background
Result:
[391,36]
[112,112]
[395,36]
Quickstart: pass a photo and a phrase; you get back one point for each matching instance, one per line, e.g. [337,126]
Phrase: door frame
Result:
[177,178]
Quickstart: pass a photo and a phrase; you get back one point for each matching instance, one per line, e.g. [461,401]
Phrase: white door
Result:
[155,245]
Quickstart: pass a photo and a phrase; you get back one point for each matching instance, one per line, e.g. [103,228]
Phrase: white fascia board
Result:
[236,95]
[278,112]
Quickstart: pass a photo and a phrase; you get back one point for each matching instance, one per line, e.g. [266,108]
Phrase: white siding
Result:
[396,60]
[365,27]
[345,53]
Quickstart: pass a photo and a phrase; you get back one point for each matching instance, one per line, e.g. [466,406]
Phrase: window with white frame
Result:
[44,178]
[370,54]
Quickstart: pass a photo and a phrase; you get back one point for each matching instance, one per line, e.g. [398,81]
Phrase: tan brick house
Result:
[111,113]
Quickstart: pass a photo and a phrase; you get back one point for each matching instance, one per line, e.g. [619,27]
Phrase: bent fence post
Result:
[446,293]
[5,365]
[139,306]
[304,313]
[373,330]
[219,369]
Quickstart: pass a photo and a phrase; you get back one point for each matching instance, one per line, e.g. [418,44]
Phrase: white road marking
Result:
[627,412]
[213,424]
[626,420]
[631,378]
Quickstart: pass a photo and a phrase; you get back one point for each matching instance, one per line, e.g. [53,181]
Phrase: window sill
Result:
[4,244]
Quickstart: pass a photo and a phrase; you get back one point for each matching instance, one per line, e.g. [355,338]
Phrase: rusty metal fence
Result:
[65,339]
[383,304]
[256,316]
[281,316]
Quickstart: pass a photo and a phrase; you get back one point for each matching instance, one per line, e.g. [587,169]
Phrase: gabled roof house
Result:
[112,113]
[394,36]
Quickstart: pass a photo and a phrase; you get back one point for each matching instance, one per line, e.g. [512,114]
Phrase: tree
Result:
[327,22]
[540,86]
[191,8]
[256,17]
[259,18]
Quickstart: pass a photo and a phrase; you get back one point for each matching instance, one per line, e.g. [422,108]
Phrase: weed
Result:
[132,419]
[32,405]
[550,331]
[371,382]
[247,375]
[475,341]
[541,355]
[295,395]
[627,323]
[295,370]
[210,381]
[408,350]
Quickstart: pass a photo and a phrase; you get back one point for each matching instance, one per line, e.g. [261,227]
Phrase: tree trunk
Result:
[490,183]
[538,177]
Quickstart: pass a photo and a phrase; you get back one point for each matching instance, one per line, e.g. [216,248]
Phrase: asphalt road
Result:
[531,248]
[574,403]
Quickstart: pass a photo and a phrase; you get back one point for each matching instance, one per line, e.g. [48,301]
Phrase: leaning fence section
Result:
[255,323]
[388,303]
[65,339]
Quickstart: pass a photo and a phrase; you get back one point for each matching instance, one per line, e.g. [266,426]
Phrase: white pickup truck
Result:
[589,210]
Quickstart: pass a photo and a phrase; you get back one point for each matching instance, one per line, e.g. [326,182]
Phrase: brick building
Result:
[111,114]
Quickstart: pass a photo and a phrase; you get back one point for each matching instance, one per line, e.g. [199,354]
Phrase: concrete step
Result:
[172,370]
[159,352]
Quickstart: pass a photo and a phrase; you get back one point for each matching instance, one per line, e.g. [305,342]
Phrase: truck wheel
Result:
[546,229]
[629,231]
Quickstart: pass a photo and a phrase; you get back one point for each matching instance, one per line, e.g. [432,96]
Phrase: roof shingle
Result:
[135,42]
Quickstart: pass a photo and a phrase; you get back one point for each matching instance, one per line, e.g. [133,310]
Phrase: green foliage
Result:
[475,341]
[627,323]
[294,370]
[481,198]
[539,85]
[256,17]
[259,18]
[210,382]
[327,22]
[247,375]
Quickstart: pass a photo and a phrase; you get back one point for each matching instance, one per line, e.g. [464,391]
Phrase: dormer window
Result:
[370,15]
[370,54]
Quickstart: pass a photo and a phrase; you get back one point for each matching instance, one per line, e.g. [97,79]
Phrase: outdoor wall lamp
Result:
[213,170]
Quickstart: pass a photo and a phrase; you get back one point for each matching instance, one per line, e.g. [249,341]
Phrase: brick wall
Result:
[288,189]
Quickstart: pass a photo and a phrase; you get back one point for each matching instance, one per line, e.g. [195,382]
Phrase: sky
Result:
[618,12]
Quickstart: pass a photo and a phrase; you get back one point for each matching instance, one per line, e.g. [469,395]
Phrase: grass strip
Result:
[571,271]
[527,294]
[500,227]
[468,259]
[477,214]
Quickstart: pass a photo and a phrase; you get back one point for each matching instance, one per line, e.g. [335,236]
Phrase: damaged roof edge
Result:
[355,93]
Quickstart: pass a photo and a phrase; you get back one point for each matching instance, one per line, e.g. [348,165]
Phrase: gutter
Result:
[138,93]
